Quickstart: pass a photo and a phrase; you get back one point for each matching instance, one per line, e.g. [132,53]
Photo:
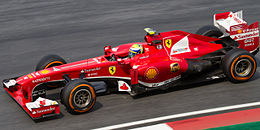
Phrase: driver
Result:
[135,49]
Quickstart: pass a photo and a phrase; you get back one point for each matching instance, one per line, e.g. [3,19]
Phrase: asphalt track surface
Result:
[30,29]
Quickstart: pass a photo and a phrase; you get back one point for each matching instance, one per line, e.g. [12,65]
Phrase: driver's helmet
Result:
[135,49]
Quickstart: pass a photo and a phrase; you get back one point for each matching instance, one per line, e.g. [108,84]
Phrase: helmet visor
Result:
[132,54]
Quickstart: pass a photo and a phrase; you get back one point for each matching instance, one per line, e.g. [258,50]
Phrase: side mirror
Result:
[107,50]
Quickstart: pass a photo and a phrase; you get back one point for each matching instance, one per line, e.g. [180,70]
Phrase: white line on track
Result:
[178,116]
[162,126]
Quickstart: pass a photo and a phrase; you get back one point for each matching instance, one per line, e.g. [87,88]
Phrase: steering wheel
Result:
[113,58]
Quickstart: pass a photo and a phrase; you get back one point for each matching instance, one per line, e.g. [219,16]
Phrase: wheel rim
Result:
[243,67]
[82,98]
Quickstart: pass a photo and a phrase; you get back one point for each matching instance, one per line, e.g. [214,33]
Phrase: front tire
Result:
[49,61]
[239,65]
[78,96]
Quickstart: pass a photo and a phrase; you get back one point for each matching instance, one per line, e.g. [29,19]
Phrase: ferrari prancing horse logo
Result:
[112,70]
[168,42]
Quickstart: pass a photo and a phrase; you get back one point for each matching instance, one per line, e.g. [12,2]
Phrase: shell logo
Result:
[239,31]
[45,71]
[151,73]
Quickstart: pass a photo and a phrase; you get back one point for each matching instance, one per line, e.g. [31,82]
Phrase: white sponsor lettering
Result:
[89,70]
[175,59]
[92,74]
[250,30]
[250,44]
[41,79]
[37,93]
[143,57]
[243,36]
[44,110]
[160,83]
[249,40]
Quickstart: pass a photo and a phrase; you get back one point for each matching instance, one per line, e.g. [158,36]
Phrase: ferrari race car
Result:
[167,59]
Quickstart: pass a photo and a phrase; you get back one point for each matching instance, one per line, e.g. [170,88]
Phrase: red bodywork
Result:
[162,62]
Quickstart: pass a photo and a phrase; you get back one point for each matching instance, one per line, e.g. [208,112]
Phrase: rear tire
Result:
[239,65]
[78,96]
[210,31]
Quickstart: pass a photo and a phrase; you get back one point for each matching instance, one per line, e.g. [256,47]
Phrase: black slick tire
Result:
[239,65]
[49,61]
[78,96]
[210,31]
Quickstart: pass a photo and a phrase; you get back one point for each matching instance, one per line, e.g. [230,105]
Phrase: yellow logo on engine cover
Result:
[112,70]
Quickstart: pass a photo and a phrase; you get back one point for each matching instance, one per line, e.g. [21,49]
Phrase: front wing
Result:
[39,109]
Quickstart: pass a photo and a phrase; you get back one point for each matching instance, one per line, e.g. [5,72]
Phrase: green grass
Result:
[245,126]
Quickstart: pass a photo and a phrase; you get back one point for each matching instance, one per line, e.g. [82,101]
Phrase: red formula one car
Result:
[165,60]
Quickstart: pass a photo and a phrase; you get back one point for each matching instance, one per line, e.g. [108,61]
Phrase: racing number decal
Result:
[112,70]
[168,42]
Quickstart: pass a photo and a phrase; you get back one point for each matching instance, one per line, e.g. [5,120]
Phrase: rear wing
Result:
[225,20]
[233,25]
